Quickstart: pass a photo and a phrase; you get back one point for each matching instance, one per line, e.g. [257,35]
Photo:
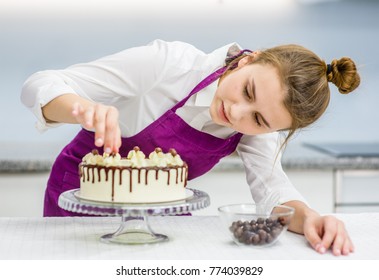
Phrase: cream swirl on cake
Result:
[134,179]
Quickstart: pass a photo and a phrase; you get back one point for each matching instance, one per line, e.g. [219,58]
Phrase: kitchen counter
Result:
[191,238]
[37,157]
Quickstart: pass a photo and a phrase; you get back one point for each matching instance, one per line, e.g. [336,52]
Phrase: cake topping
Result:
[112,159]
[173,152]
[175,158]
[135,158]
[158,158]
[93,158]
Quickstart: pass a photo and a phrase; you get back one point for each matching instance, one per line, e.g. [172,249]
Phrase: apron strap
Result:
[205,82]
[209,79]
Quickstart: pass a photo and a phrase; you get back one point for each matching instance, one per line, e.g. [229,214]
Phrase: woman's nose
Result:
[239,111]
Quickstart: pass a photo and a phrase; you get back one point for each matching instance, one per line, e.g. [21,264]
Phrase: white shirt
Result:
[143,83]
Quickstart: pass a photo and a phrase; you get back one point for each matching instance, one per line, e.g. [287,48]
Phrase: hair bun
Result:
[343,74]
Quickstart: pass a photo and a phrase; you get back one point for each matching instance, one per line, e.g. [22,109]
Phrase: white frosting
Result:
[91,158]
[135,158]
[158,158]
[177,160]
[111,160]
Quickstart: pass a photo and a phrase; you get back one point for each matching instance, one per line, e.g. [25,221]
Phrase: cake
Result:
[160,177]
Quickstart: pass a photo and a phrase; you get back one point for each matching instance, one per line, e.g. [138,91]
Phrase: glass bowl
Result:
[254,224]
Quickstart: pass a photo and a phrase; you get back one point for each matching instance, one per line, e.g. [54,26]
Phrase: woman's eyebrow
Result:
[253,92]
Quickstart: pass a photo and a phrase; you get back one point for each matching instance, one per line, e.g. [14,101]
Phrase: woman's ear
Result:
[248,59]
[243,61]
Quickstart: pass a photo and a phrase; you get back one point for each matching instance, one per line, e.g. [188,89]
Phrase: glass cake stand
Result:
[134,227]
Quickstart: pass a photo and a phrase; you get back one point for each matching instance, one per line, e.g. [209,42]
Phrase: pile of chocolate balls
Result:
[261,231]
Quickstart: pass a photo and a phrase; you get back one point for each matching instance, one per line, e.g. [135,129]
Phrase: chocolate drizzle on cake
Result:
[87,173]
[101,172]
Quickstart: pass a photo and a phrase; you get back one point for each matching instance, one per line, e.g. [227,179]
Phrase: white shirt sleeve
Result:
[261,157]
[131,79]
[40,89]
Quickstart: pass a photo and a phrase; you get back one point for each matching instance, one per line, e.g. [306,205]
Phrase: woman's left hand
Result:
[324,232]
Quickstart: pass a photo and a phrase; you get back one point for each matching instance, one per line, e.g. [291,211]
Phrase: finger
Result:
[340,240]
[348,247]
[76,109]
[88,117]
[80,115]
[99,125]
[117,140]
[338,243]
[112,131]
[314,238]
[330,231]
[77,112]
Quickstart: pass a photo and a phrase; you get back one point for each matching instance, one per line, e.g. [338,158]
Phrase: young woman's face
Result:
[250,100]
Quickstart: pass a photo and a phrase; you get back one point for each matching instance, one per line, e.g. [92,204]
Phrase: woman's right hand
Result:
[104,120]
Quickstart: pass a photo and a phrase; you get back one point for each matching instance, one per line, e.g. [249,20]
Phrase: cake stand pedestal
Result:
[134,227]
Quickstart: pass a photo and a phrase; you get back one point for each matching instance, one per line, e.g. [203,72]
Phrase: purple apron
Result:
[200,150]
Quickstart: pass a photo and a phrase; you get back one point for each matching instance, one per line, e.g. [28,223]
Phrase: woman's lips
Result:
[222,113]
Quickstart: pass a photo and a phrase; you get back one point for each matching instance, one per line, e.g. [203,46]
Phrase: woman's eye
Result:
[256,119]
[246,93]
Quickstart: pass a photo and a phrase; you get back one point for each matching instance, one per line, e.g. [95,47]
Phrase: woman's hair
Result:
[305,78]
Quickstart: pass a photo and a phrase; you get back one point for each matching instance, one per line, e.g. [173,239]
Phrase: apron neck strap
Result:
[210,79]
[205,82]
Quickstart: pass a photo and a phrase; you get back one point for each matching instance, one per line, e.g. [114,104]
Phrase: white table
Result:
[191,238]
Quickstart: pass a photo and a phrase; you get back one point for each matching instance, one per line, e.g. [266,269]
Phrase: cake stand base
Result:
[134,231]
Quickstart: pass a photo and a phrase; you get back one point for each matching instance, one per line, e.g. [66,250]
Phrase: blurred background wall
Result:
[42,34]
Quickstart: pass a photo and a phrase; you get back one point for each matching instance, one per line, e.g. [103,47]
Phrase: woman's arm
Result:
[71,108]
[131,80]
[301,211]
[270,185]
[60,108]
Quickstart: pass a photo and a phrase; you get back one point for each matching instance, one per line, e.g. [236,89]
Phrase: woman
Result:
[206,106]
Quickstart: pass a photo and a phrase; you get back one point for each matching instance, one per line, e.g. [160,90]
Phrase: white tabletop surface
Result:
[191,238]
